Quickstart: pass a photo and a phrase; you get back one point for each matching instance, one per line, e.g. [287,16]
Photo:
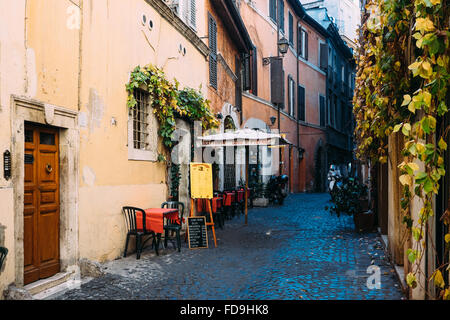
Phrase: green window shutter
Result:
[291,29]
[301,103]
[212,28]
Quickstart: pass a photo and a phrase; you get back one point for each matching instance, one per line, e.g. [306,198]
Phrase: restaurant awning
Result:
[243,137]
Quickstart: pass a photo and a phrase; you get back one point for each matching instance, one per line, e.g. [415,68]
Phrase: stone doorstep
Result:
[40,286]
[399,270]
[60,289]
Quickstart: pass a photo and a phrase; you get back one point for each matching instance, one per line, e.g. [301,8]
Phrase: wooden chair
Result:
[132,226]
[3,253]
[171,226]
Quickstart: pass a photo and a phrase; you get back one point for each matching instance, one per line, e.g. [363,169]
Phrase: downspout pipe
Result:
[298,78]
[280,169]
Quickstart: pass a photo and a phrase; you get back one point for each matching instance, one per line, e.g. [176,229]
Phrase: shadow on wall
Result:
[2,235]
[2,244]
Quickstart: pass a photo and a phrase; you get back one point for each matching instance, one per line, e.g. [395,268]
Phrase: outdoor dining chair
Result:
[172,225]
[217,209]
[3,253]
[229,203]
[240,200]
[134,224]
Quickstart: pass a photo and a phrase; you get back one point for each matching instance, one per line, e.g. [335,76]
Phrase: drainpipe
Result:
[298,76]
[279,115]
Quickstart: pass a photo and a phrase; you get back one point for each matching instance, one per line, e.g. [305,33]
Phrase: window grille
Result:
[140,120]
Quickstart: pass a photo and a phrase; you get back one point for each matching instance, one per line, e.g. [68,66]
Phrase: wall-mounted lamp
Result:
[237,109]
[273,119]
[283,47]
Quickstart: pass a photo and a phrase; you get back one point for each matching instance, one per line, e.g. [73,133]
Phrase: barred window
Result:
[140,120]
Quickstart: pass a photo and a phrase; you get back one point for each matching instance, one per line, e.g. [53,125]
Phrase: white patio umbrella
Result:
[243,137]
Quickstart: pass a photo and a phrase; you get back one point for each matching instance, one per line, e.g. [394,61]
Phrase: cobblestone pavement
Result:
[297,251]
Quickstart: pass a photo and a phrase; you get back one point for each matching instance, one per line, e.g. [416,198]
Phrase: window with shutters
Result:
[193,14]
[322,110]
[291,30]
[281,14]
[212,32]
[273,10]
[250,72]
[302,44]
[323,55]
[291,95]
[189,13]
[246,73]
[331,110]
[277,81]
[301,103]
[254,66]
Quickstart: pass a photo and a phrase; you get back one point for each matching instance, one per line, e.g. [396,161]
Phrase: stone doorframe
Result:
[25,109]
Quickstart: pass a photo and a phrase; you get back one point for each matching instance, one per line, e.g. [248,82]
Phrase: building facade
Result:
[340,87]
[302,83]
[344,13]
[77,153]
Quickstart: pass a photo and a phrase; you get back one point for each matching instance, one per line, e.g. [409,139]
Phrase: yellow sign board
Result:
[201,181]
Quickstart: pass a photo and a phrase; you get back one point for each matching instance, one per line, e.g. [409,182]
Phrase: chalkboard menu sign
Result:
[198,236]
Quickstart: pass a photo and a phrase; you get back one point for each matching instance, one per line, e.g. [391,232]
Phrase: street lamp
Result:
[283,47]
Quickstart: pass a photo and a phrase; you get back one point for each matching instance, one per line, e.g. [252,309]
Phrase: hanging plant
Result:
[402,85]
[168,102]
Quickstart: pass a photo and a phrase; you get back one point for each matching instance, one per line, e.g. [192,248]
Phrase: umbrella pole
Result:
[247,149]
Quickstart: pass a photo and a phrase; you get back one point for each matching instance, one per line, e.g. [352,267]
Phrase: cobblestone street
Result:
[297,251]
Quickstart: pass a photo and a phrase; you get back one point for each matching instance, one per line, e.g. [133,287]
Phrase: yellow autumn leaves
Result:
[422,68]
[423,98]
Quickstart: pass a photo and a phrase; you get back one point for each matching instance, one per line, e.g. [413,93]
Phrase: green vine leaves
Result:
[402,85]
[169,102]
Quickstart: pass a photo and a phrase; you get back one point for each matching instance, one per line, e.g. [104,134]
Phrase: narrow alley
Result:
[295,252]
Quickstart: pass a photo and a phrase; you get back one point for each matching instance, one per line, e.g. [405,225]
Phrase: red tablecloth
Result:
[240,195]
[216,204]
[201,205]
[229,198]
[154,219]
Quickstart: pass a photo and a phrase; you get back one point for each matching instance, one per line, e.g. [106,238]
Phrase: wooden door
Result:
[41,203]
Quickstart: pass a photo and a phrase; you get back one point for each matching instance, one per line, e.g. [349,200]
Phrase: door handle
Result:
[48,168]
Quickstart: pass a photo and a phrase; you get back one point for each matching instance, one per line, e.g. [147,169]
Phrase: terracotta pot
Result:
[364,204]
[364,221]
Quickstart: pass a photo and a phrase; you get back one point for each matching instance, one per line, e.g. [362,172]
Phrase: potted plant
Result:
[351,198]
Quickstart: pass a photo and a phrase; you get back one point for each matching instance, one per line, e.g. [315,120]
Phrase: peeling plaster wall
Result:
[114,42]
[52,53]
[12,80]
[47,59]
